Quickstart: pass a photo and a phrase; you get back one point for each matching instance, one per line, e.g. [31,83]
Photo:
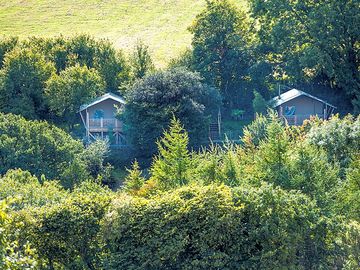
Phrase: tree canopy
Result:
[220,50]
[72,88]
[152,101]
[22,83]
[316,41]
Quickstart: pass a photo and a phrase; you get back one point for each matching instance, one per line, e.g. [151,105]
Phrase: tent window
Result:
[99,114]
[290,110]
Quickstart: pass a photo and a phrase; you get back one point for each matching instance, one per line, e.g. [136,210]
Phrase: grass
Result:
[162,24]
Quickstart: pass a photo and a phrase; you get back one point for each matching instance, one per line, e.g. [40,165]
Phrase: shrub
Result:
[134,180]
[66,234]
[23,190]
[214,227]
[39,148]
[340,138]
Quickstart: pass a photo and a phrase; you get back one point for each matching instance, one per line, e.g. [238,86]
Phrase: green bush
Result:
[65,233]
[23,190]
[214,227]
[41,149]
[24,75]
[340,138]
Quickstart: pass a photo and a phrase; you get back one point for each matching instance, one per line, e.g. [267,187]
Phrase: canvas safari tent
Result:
[99,119]
[296,106]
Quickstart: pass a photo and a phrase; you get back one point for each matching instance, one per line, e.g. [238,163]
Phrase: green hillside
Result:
[162,24]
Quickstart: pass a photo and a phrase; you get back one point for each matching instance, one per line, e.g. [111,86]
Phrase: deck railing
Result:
[298,119]
[104,123]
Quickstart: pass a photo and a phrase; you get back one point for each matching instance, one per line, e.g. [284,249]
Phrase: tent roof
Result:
[291,94]
[101,99]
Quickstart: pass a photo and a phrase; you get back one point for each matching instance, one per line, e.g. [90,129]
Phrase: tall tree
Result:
[70,89]
[23,82]
[141,61]
[312,40]
[153,100]
[219,48]
[84,50]
[171,167]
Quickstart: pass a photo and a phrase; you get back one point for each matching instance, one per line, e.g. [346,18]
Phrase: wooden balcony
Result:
[104,125]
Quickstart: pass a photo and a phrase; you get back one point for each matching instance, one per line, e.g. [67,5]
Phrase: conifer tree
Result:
[273,155]
[141,60]
[171,167]
[134,180]
[259,103]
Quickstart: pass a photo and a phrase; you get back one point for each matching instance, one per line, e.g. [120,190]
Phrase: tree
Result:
[40,148]
[101,55]
[6,45]
[348,199]
[259,103]
[152,101]
[70,89]
[112,65]
[23,82]
[67,234]
[273,155]
[134,180]
[171,168]
[312,41]
[340,138]
[311,173]
[94,157]
[219,49]
[141,61]
[84,50]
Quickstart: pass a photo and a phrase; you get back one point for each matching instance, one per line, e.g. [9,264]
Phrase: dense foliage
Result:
[152,101]
[61,226]
[285,197]
[214,227]
[44,149]
[49,78]
[309,45]
[22,83]
[72,88]
[312,40]
[219,50]
[279,200]
[36,146]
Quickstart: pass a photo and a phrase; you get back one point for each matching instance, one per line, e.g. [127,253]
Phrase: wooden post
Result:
[219,123]
[325,112]
[102,127]
[116,133]
[87,126]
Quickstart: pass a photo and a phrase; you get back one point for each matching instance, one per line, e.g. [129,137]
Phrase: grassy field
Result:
[162,24]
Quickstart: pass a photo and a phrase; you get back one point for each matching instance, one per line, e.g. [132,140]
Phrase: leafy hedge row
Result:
[216,227]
